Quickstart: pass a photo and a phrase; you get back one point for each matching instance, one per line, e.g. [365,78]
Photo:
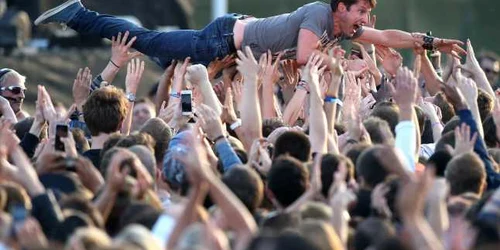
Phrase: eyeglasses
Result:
[14,90]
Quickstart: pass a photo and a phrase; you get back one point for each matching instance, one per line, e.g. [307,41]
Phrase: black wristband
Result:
[111,61]
[220,137]
[428,43]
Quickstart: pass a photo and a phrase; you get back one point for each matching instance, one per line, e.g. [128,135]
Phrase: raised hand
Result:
[228,114]
[135,69]
[406,88]
[468,88]
[210,122]
[390,59]
[450,46]
[372,67]
[48,109]
[290,72]
[196,75]
[463,141]
[81,87]
[237,86]
[120,49]
[412,195]
[454,96]
[311,72]
[379,202]
[247,65]
[179,75]
[269,70]
[217,65]
[471,63]
[259,158]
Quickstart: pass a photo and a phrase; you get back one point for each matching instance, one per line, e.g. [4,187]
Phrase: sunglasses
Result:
[14,90]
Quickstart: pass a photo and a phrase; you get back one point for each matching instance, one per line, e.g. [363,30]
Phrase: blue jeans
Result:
[203,46]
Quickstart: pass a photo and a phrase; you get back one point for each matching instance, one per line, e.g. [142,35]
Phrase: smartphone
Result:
[62,131]
[19,215]
[186,105]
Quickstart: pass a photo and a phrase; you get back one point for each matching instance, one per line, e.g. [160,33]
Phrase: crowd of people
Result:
[300,149]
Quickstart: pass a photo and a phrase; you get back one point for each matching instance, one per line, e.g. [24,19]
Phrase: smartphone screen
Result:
[187,107]
[61,132]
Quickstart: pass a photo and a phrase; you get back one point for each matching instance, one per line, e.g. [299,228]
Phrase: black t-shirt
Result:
[94,155]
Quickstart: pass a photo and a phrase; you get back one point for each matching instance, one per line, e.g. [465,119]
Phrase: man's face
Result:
[14,92]
[142,113]
[357,16]
[491,69]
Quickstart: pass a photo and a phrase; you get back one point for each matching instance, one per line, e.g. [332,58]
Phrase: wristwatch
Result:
[130,97]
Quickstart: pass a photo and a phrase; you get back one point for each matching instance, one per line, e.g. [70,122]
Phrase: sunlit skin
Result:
[142,112]
[491,69]
[347,21]
[15,100]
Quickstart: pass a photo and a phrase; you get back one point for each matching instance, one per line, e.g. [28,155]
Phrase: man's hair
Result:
[23,126]
[83,205]
[137,139]
[439,160]
[420,118]
[484,103]
[287,179]
[379,130]
[389,112]
[355,151]
[465,173]
[369,167]
[446,139]
[348,3]
[11,73]
[447,111]
[372,231]
[105,110]
[451,125]
[146,157]
[161,132]
[490,132]
[269,125]
[293,143]
[246,184]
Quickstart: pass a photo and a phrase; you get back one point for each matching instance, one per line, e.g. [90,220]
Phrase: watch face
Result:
[131,97]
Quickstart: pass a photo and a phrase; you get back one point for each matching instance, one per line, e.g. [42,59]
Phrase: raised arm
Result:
[197,75]
[120,55]
[317,119]
[270,75]
[251,120]
[164,86]
[403,39]
[134,74]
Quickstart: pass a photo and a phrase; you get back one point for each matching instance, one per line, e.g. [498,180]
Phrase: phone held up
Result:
[186,102]
[62,131]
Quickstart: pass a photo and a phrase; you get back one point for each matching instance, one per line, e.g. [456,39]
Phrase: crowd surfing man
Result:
[303,30]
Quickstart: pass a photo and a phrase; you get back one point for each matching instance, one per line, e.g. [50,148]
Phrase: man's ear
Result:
[341,7]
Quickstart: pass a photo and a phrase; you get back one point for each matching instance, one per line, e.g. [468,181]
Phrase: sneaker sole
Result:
[54,11]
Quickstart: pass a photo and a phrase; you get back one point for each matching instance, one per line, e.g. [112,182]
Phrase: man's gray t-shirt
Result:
[279,33]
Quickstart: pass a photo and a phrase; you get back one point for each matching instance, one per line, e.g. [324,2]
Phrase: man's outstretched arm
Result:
[403,39]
